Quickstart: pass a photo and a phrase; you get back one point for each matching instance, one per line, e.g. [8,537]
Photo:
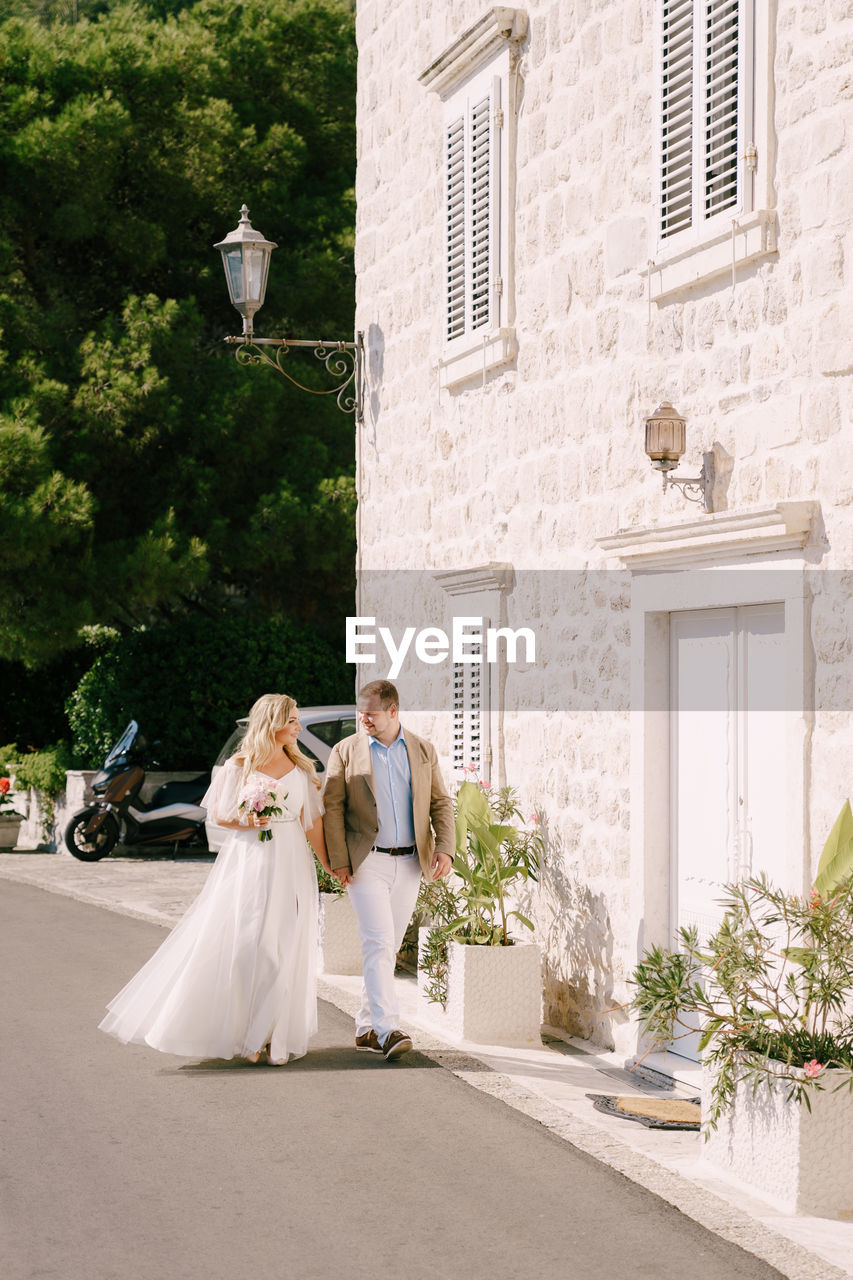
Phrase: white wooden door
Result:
[728,758]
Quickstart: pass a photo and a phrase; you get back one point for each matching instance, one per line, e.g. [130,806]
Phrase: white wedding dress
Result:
[240,969]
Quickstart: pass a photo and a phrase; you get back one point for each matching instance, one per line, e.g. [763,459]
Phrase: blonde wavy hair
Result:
[270,713]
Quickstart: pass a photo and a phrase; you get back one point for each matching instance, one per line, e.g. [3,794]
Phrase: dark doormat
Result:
[654,1113]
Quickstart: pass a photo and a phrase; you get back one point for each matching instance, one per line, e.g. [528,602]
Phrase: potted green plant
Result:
[470,965]
[771,991]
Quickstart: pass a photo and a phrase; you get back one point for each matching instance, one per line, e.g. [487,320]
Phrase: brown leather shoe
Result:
[369,1041]
[396,1044]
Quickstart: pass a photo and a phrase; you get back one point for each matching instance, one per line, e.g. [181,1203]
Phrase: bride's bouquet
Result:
[257,799]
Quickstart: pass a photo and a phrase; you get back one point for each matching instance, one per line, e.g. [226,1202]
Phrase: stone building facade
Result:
[687,714]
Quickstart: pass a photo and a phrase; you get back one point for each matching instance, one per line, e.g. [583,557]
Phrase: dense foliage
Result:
[187,683]
[43,771]
[32,706]
[143,474]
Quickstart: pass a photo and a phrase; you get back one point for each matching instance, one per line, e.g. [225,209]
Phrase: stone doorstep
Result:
[547,1084]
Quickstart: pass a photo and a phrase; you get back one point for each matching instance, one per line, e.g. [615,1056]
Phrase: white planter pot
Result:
[799,1159]
[340,945]
[494,994]
[9,828]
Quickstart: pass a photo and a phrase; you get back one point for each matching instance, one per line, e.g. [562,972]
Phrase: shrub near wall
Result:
[187,682]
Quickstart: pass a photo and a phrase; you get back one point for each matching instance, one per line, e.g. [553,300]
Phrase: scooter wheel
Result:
[91,834]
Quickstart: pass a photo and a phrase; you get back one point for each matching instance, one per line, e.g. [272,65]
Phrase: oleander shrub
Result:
[188,681]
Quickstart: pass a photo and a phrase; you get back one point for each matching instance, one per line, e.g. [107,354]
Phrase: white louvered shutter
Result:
[470,711]
[455,233]
[720,115]
[481,211]
[472,203]
[704,87]
[677,117]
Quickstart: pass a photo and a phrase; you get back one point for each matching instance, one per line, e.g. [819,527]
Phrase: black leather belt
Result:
[401,852]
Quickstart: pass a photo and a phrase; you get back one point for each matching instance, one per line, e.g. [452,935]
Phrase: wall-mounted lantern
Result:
[246,258]
[666,440]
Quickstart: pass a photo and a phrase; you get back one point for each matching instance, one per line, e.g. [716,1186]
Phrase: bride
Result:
[238,974]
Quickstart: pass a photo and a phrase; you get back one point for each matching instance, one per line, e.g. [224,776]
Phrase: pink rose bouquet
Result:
[258,799]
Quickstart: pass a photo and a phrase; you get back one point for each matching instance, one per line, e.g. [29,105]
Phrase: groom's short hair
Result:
[384,690]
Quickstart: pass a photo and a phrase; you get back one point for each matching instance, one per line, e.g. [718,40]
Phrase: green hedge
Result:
[44,771]
[188,681]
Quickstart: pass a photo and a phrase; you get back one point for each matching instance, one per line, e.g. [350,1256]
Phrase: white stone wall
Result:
[547,457]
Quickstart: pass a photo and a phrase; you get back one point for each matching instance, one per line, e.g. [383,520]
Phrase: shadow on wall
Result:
[375,373]
[578,964]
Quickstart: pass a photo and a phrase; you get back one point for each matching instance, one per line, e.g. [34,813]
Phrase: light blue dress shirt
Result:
[392,781]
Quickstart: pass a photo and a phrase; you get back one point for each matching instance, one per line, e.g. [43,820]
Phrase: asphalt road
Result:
[119,1163]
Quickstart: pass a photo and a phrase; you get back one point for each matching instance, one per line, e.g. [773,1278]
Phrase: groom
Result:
[388,820]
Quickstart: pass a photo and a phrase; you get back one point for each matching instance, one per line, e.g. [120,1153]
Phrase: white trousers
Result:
[383,892]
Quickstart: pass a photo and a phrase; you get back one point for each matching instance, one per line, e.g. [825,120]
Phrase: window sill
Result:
[476,358]
[673,272]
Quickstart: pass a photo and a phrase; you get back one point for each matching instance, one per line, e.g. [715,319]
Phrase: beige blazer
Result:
[350,823]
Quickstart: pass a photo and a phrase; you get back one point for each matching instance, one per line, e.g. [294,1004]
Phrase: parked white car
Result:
[322,727]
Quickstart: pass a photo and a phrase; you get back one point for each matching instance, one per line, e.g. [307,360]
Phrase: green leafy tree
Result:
[143,473]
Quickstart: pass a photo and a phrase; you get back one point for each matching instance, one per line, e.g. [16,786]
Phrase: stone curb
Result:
[753,1236]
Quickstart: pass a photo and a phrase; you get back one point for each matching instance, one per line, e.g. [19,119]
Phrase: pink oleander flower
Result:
[535,819]
[814,900]
[813,1068]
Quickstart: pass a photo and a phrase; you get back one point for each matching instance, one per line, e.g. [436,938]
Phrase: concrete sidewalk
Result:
[548,1084]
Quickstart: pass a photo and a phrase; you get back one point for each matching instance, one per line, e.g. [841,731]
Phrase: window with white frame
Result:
[476,79]
[713,143]
[476,596]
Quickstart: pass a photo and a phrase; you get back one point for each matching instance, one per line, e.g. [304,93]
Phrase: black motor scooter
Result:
[172,816]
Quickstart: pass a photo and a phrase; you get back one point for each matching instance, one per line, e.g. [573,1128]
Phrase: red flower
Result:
[5,786]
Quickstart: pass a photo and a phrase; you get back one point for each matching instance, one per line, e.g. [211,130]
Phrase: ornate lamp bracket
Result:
[694,488]
[344,363]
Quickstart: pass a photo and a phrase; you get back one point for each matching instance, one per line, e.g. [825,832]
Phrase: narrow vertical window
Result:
[477,79]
